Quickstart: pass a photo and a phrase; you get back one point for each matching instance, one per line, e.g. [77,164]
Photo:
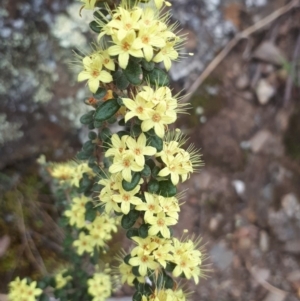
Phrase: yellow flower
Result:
[151,206]
[99,287]
[139,149]
[124,48]
[126,273]
[108,62]
[167,54]
[126,198]
[125,164]
[93,72]
[147,40]
[19,290]
[146,245]
[138,107]
[163,255]
[144,261]
[148,17]
[187,259]
[159,3]
[118,145]
[157,120]
[108,201]
[165,295]
[170,206]
[61,280]
[173,168]
[84,244]
[124,21]
[160,224]
[89,4]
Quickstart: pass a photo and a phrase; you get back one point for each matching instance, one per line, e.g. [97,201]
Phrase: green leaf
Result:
[98,124]
[135,271]
[156,142]
[122,133]
[91,126]
[88,146]
[168,282]
[94,26]
[167,189]
[153,186]
[170,266]
[127,258]
[92,135]
[43,297]
[155,171]
[120,79]
[129,220]
[137,296]
[134,73]
[85,184]
[100,93]
[121,122]
[148,66]
[146,172]
[143,231]
[82,156]
[112,120]
[106,110]
[133,232]
[157,77]
[128,186]
[105,134]
[87,118]
[136,130]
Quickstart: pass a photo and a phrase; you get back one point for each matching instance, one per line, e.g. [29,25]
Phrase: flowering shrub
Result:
[128,176]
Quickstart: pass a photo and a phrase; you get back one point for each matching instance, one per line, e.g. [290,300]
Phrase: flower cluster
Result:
[20,290]
[155,108]
[128,32]
[182,258]
[99,286]
[70,173]
[166,295]
[99,232]
[61,279]
[140,33]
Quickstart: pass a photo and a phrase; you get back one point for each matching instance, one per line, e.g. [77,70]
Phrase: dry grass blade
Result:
[242,35]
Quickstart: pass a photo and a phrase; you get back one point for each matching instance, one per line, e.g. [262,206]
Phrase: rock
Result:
[264,241]
[221,256]
[275,296]
[239,186]
[242,82]
[264,91]
[282,226]
[265,142]
[4,244]
[292,246]
[290,205]
[294,279]
[270,53]
[214,222]
[259,140]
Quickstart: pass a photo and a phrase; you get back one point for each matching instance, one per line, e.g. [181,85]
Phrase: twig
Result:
[242,35]
[289,83]
[39,265]
[264,283]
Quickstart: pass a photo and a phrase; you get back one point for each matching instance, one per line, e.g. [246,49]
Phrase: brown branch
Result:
[242,35]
